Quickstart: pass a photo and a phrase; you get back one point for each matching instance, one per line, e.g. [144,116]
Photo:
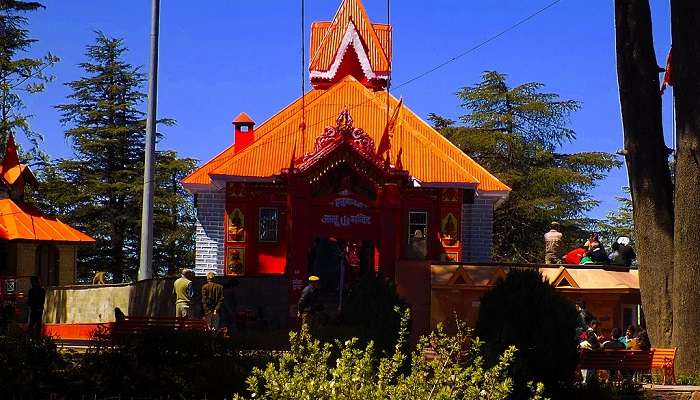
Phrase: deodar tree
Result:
[666,217]
[19,74]
[516,133]
[99,189]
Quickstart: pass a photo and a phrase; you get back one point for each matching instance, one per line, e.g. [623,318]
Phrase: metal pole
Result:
[145,266]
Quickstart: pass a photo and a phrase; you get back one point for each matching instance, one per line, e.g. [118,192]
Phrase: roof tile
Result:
[427,155]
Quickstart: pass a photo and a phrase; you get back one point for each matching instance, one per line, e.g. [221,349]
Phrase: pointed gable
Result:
[14,174]
[350,31]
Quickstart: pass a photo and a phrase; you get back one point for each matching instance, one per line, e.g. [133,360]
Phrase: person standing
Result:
[183,291]
[309,302]
[35,301]
[552,243]
[212,301]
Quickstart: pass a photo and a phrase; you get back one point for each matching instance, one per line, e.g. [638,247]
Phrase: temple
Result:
[348,169]
[31,243]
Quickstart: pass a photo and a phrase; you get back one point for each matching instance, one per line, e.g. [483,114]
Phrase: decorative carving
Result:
[344,131]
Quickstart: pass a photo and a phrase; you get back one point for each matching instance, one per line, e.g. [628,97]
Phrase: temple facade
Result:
[343,181]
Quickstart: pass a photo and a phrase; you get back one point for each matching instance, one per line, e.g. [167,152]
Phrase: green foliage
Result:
[346,370]
[369,311]
[160,362]
[604,391]
[619,222]
[524,311]
[515,133]
[19,74]
[28,366]
[99,190]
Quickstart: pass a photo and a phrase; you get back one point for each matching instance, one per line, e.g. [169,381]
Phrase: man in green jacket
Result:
[183,291]
[212,301]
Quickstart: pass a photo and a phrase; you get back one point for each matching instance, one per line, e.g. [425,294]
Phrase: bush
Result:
[369,312]
[311,371]
[29,367]
[525,311]
[163,362]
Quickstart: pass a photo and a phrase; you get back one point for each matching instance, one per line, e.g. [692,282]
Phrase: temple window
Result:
[417,234]
[268,225]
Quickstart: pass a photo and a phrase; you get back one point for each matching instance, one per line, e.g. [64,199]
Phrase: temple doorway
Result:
[340,262]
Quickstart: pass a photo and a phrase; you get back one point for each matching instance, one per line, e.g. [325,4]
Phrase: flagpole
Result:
[146,255]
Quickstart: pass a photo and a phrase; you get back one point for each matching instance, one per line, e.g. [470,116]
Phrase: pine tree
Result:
[515,133]
[173,214]
[618,222]
[19,74]
[100,189]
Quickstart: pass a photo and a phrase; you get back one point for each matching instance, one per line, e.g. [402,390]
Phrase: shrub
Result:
[311,371]
[369,312]
[163,362]
[525,311]
[29,367]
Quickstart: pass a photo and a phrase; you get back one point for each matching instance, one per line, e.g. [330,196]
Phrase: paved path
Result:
[672,392]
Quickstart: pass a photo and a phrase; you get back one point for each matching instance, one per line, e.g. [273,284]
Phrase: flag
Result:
[667,81]
[385,142]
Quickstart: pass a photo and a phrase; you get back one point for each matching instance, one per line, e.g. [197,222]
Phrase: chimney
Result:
[243,132]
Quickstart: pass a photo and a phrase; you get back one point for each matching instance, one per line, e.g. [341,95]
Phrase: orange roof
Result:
[327,38]
[427,155]
[243,118]
[22,221]
[577,278]
[589,278]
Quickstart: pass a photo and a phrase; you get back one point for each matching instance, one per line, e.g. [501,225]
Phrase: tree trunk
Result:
[647,164]
[685,21]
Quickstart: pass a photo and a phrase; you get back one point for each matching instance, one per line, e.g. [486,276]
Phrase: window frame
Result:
[410,231]
[277,224]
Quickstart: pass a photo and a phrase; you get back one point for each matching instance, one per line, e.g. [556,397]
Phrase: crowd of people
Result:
[592,252]
[589,337]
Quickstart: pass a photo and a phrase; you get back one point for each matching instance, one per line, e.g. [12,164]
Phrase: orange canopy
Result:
[22,221]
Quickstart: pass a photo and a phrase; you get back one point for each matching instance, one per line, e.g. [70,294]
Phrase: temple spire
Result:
[350,45]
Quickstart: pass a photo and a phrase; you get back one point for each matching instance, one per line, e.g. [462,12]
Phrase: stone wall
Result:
[263,297]
[477,230]
[209,236]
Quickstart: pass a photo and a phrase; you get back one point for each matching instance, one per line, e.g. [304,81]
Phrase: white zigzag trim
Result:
[351,37]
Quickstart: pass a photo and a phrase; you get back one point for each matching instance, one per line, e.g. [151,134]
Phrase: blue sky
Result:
[221,57]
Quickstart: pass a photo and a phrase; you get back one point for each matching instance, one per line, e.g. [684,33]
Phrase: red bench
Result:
[631,360]
[130,326]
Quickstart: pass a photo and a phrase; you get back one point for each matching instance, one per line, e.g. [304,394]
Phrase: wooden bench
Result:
[131,326]
[665,359]
[631,360]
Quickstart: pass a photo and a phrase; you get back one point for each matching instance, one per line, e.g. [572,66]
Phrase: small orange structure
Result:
[31,243]
[611,295]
